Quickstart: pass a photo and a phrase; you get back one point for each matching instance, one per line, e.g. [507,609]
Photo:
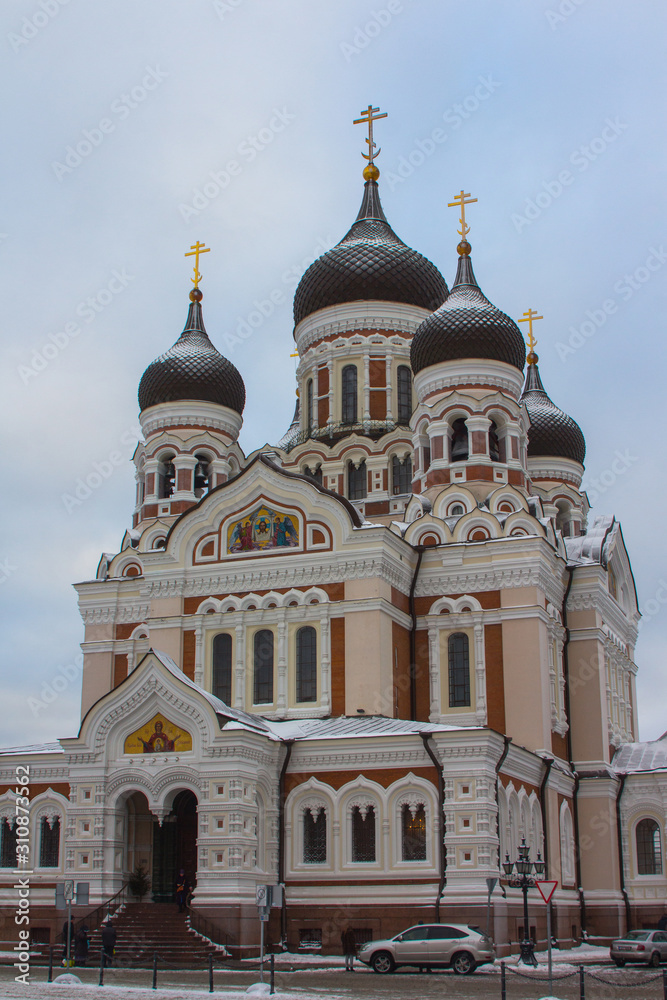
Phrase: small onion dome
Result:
[551,431]
[370,262]
[192,369]
[467,325]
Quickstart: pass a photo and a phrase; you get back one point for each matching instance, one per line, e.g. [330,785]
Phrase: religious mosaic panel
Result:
[158,736]
[264,528]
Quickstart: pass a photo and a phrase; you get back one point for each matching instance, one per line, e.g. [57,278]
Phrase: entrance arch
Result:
[175,846]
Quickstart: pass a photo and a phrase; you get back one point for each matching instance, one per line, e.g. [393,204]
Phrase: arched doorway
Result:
[175,847]
[138,821]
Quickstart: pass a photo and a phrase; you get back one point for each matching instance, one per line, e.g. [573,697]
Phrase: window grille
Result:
[349,401]
[222,667]
[263,667]
[306,664]
[356,481]
[459,671]
[404,395]
[49,843]
[363,834]
[414,834]
[8,836]
[314,837]
[401,475]
[649,850]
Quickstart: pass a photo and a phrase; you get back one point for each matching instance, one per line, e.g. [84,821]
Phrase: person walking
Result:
[348,940]
[81,942]
[108,941]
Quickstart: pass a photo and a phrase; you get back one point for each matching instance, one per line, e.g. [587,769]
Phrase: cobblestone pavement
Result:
[602,983]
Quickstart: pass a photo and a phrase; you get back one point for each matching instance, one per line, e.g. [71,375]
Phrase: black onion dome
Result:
[467,325]
[551,431]
[192,369]
[370,262]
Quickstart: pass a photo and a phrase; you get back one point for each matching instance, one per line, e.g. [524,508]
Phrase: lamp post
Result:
[519,875]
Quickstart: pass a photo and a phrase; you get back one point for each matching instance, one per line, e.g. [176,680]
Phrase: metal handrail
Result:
[96,917]
[208,929]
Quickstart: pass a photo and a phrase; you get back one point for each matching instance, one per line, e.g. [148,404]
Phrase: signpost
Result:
[491,883]
[266,896]
[547,889]
[68,893]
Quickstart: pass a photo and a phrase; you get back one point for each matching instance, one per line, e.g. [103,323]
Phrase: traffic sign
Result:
[547,889]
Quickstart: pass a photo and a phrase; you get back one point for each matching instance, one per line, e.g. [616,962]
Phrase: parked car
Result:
[645,946]
[456,946]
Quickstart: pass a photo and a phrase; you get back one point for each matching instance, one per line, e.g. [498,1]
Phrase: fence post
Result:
[503,982]
[50,977]
[582,983]
[101,983]
[210,972]
[154,970]
[664,983]
[273,974]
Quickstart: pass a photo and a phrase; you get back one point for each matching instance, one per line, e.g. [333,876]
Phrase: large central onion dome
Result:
[192,369]
[467,325]
[551,431]
[370,262]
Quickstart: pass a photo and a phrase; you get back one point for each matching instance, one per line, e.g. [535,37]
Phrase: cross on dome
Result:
[529,317]
[195,250]
[370,115]
[463,199]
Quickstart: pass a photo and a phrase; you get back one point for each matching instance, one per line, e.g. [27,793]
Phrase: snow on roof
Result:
[34,748]
[636,757]
[354,726]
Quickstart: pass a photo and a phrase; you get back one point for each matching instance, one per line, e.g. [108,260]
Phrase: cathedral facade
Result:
[364,662]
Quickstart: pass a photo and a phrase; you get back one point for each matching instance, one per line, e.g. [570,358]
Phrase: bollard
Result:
[154,970]
[50,976]
[503,982]
[273,974]
[101,983]
[664,983]
[582,983]
[210,972]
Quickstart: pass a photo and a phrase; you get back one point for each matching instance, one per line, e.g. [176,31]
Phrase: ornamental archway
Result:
[175,847]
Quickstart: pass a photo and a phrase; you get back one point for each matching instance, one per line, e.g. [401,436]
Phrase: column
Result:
[367,386]
[325,664]
[390,388]
[434,673]
[239,669]
[282,692]
[480,674]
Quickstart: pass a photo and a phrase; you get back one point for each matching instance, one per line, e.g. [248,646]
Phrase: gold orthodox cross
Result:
[369,116]
[462,200]
[195,250]
[529,317]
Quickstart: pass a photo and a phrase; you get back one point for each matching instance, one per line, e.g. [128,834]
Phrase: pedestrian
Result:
[68,941]
[81,943]
[182,890]
[662,923]
[348,940]
[108,941]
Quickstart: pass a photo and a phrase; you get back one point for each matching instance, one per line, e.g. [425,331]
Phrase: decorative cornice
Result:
[109,614]
[358,316]
[454,374]
[190,413]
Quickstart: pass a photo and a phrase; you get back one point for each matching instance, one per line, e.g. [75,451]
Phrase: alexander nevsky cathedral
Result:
[367,660]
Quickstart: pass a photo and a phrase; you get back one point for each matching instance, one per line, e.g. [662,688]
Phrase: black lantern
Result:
[519,875]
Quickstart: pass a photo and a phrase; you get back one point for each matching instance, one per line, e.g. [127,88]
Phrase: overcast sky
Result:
[132,129]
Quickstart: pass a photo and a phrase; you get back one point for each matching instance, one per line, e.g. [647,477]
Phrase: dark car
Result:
[649,947]
[456,946]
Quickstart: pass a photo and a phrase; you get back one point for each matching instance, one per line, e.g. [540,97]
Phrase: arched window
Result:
[494,447]
[404,395]
[49,842]
[401,475]
[349,401]
[566,845]
[459,671]
[202,476]
[309,405]
[263,667]
[306,664]
[459,441]
[356,481]
[363,834]
[167,477]
[414,833]
[222,667]
[8,839]
[649,850]
[315,837]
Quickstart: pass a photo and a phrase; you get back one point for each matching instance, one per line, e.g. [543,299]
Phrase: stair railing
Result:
[96,917]
[208,929]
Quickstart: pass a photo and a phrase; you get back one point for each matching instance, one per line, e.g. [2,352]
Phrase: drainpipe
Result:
[501,761]
[419,549]
[619,829]
[548,764]
[281,839]
[441,819]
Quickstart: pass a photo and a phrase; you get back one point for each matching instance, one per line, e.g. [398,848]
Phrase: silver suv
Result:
[455,946]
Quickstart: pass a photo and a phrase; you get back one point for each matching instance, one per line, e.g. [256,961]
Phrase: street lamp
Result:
[519,874]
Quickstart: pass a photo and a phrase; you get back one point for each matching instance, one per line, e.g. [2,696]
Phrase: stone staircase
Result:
[142,929]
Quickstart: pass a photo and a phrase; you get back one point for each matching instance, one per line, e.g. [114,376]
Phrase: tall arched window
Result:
[494,447]
[222,667]
[49,842]
[314,837]
[649,849]
[404,395]
[167,475]
[357,484]
[459,441]
[349,401]
[413,837]
[8,838]
[401,475]
[459,671]
[306,664]
[202,476]
[363,834]
[263,667]
[309,405]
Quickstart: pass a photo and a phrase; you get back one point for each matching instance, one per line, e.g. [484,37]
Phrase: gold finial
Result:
[529,317]
[195,250]
[463,199]
[370,115]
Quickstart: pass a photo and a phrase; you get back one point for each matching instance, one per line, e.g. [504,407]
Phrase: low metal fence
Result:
[592,983]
